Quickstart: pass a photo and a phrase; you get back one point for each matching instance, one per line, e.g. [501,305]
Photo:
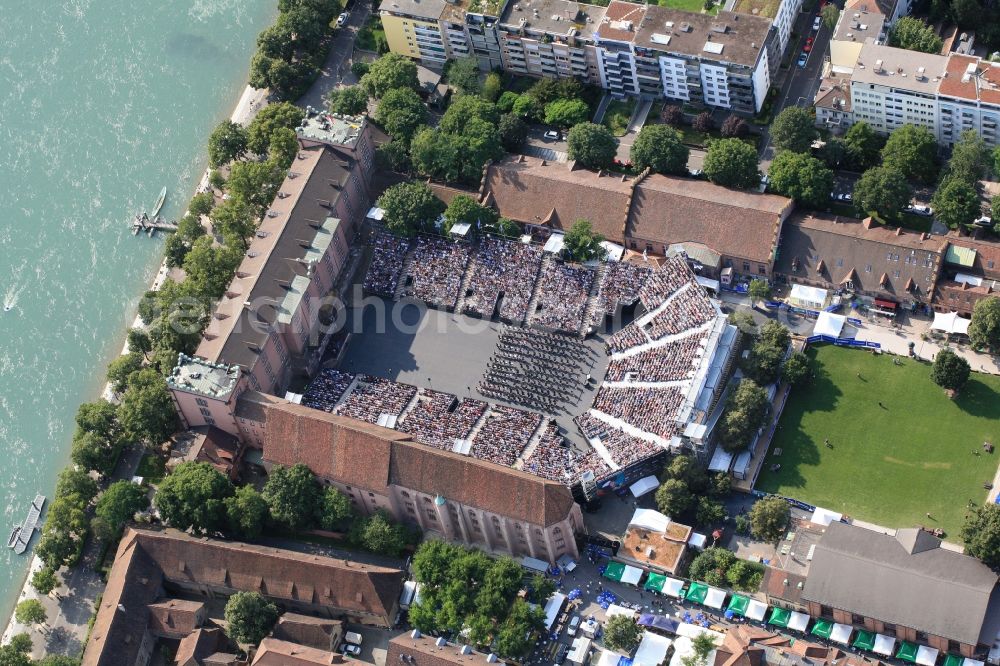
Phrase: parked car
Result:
[562,653]
[574,623]
[552,135]
[844,197]
[351,649]
[353,637]
[923,211]
[695,173]
[802,59]
[817,22]
[807,48]
[984,221]
[342,19]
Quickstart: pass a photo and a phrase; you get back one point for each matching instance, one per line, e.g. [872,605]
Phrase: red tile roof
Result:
[424,651]
[617,18]
[174,617]
[983,86]
[273,652]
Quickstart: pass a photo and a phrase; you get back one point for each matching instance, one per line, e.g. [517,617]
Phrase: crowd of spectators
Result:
[388,254]
[503,436]
[673,361]
[435,270]
[689,308]
[374,396]
[563,291]
[652,410]
[623,448]
[627,338]
[502,267]
[672,275]
[620,286]
[327,389]
[434,422]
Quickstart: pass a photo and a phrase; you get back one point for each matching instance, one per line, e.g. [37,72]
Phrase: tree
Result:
[193,497]
[968,13]
[91,452]
[913,34]
[541,588]
[122,368]
[492,88]
[834,152]
[703,123]
[796,369]
[830,16]
[516,636]
[801,177]
[593,146]
[336,509]
[565,113]
[45,580]
[350,100]
[390,71]
[379,534]
[10,656]
[119,503]
[281,115]
[674,499]
[582,243]
[249,617]
[793,130]
[283,149]
[969,161]
[246,511]
[660,148]
[746,409]
[505,103]
[226,142]
[734,127]
[256,183]
[622,634]
[764,363]
[21,643]
[147,411]
[505,227]
[883,191]
[732,163]
[465,209]
[463,74]
[293,496]
[710,511]
[201,204]
[58,660]
[29,612]
[701,646]
[138,341]
[775,334]
[956,203]
[400,112]
[409,207]
[527,107]
[995,207]
[984,329]
[513,132]
[672,115]
[864,146]
[950,371]
[758,290]
[744,321]
[76,482]
[912,149]
[769,518]
[981,534]
[235,218]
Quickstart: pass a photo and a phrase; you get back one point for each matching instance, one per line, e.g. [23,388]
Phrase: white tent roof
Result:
[830,324]
[926,656]
[672,588]
[972,662]
[555,243]
[631,575]
[693,631]
[950,323]
[615,609]
[815,295]
[652,650]
[649,519]
[684,647]
[722,460]
[552,608]
[697,540]
[460,229]
[841,633]
[608,658]
[615,251]
[375,213]
[581,646]
[708,283]
[715,597]
[644,485]
[884,644]
[535,564]
[756,610]
[824,517]
[798,621]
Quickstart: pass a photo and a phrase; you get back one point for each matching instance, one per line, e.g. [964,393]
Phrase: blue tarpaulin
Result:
[658,622]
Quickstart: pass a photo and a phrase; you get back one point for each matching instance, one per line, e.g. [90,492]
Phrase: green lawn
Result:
[371,36]
[694,6]
[151,468]
[618,114]
[888,466]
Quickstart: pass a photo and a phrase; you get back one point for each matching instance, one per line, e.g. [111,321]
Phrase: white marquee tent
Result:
[830,324]
[950,323]
[644,485]
[652,650]
[654,521]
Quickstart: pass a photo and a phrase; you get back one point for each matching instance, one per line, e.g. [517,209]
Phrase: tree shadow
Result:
[978,399]
[61,640]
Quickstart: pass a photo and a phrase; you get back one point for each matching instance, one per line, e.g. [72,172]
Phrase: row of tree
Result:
[291,52]
[688,493]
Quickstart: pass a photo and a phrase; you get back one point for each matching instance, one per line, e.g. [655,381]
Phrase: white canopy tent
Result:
[553,607]
[654,521]
[972,662]
[950,323]
[608,658]
[798,621]
[715,597]
[555,243]
[824,517]
[721,461]
[884,644]
[693,631]
[615,251]
[841,633]
[375,213]
[697,540]
[652,650]
[580,651]
[830,324]
[926,656]
[756,610]
[615,609]
[644,485]
[811,297]
[631,575]
[673,587]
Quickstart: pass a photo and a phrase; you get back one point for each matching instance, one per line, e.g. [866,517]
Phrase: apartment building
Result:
[434,31]
[948,94]
[853,31]
[551,38]
[971,272]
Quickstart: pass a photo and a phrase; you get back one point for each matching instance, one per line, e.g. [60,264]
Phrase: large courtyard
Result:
[899,447]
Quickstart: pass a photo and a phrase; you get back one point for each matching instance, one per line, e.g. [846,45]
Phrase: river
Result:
[102,102]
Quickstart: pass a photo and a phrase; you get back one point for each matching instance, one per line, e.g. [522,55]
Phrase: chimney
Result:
[869,223]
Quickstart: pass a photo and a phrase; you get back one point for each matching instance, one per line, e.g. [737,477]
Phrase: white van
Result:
[353,637]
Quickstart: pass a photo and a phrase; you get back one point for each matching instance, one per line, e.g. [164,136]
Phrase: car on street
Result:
[843,196]
[802,59]
[342,19]
[695,173]
[923,211]
[985,221]
[817,22]
[552,135]
[574,623]
[807,48]
[351,649]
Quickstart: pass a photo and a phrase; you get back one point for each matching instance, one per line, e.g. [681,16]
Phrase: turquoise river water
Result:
[102,102]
